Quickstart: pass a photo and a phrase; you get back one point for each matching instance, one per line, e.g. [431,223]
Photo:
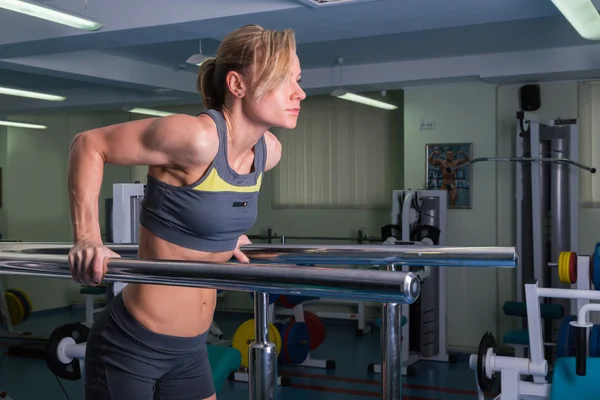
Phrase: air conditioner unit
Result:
[325,3]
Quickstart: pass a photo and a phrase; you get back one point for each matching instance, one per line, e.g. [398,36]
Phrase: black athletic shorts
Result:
[126,361]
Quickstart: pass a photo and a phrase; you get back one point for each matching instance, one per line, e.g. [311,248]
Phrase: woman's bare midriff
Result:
[172,310]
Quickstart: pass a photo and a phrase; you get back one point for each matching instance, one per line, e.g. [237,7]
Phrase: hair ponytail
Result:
[212,97]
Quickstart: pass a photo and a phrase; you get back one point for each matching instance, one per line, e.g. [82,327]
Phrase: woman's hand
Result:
[237,253]
[87,262]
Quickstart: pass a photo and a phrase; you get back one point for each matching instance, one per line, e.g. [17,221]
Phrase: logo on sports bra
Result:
[240,204]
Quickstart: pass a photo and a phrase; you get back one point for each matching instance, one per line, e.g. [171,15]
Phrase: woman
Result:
[204,176]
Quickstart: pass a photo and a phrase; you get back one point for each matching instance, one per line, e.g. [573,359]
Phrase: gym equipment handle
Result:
[524,159]
[357,284]
[580,350]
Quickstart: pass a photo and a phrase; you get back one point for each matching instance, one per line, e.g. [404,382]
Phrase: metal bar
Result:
[391,349]
[262,355]
[436,256]
[355,284]
[525,159]
[568,293]
[338,254]
[359,239]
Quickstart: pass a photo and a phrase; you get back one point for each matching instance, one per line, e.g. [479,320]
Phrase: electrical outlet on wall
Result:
[426,125]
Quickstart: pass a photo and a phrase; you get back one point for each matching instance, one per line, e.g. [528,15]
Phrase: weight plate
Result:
[316,329]
[24,303]
[596,267]
[15,308]
[283,302]
[291,301]
[296,342]
[487,341]
[561,266]
[573,267]
[594,340]
[274,332]
[597,341]
[71,371]
[246,334]
[591,270]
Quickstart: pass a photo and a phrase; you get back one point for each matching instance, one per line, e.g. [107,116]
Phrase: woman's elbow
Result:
[84,144]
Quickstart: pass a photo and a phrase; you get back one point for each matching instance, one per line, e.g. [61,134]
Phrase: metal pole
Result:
[391,349]
[341,283]
[378,254]
[262,365]
[344,254]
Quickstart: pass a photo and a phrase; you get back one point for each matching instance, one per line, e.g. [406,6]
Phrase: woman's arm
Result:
[177,141]
[173,141]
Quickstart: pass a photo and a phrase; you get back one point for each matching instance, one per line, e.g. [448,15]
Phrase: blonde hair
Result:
[264,57]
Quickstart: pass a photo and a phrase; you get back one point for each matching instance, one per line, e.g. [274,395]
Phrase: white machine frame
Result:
[512,368]
[409,358]
[122,229]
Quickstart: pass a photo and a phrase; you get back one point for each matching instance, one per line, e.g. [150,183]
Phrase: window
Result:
[340,155]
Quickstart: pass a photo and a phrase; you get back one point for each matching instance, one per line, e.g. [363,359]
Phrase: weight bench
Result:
[566,384]
[223,361]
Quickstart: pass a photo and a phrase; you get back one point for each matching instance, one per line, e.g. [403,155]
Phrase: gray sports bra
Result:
[212,213]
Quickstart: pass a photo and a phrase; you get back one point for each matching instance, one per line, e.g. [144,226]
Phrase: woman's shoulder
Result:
[273,146]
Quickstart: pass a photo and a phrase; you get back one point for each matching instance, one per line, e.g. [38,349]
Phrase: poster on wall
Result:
[448,169]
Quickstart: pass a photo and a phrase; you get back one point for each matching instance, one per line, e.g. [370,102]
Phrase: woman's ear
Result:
[235,84]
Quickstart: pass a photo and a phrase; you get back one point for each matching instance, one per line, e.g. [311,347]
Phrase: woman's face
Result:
[280,107]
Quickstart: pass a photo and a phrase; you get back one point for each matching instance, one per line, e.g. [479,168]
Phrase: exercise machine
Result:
[575,370]
[547,196]
[547,211]
[419,218]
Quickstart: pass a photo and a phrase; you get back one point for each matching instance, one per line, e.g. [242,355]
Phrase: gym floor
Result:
[27,378]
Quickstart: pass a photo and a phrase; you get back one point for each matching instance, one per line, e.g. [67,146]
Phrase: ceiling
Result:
[386,44]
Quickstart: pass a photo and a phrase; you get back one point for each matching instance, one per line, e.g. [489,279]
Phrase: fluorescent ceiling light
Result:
[582,15]
[147,111]
[21,125]
[26,93]
[342,94]
[50,14]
